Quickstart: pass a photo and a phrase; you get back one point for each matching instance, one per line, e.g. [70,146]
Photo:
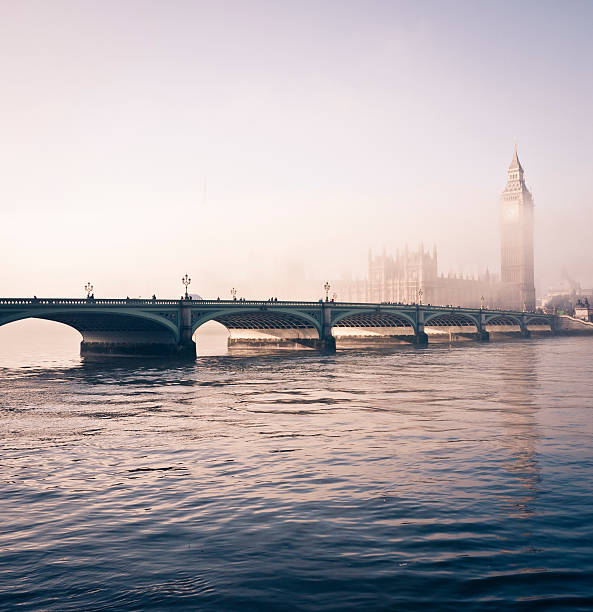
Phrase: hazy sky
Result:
[247,142]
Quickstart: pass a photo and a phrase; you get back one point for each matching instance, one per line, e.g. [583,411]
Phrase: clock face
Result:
[510,212]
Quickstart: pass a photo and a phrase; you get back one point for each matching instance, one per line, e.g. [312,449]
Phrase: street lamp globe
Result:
[186,280]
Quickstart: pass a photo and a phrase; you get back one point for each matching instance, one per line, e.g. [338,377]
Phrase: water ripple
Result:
[435,479]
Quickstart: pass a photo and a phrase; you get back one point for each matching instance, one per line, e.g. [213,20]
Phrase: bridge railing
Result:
[11,302]
[142,302]
[80,301]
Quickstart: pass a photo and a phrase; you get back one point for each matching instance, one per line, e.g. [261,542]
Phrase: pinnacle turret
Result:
[515,175]
[515,163]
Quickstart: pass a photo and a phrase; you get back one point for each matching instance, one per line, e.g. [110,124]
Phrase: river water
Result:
[441,478]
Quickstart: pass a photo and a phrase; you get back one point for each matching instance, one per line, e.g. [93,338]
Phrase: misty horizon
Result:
[144,143]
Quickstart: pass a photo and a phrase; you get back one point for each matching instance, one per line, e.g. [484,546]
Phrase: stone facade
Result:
[400,278]
[412,276]
[583,310]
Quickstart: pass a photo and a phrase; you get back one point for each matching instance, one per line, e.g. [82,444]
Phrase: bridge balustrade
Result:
[240,303]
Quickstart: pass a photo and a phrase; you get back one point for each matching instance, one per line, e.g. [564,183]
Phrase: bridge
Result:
[166,327]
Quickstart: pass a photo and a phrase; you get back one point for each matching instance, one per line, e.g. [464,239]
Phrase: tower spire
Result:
[515,163]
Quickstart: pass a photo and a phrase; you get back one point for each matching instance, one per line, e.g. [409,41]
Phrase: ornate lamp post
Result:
[327,287]
[334,296]
[482,303]
[89,289]
[420,294]
[186,280]
[234,294]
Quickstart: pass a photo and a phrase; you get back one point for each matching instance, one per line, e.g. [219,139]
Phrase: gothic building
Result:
[410,276]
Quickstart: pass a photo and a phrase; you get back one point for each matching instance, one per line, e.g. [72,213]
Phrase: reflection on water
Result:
[517,373]
[409,478]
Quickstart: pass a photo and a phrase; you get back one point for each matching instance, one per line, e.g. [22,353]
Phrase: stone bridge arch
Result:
[355,327]
[257,318]
[263,325]
[535,319]
[109,330]
[451,318]
[373,318]
[502,319]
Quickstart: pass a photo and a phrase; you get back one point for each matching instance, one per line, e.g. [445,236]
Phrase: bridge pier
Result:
[326,343]
[482,335]
[525,333]
[186,349]
[137,349]
[327,346]
[420,338]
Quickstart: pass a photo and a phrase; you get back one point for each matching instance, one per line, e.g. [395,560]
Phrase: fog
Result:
[268,145]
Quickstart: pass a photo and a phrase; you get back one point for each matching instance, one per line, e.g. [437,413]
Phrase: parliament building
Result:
[413,276]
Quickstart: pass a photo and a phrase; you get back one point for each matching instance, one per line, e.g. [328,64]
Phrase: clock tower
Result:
[517,241]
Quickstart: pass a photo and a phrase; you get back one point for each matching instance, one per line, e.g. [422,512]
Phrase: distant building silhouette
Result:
[413,275]
[516,245]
